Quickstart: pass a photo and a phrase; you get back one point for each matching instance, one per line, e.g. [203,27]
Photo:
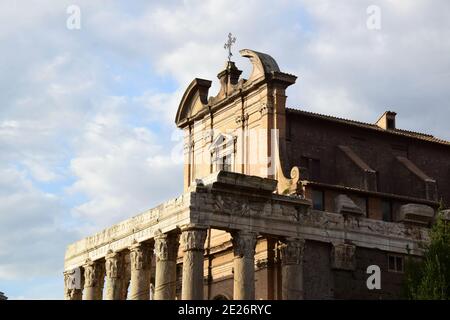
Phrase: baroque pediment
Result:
[194,100]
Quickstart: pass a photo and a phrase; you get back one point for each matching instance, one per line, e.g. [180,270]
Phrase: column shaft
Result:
[94,275]
[244,265]
[114,266]
[292,269]
[166,251]
[193,240]
[140,260]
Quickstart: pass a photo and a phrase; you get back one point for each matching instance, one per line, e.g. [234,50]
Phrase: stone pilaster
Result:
[73,284]
[166,251]
[244,265]
[94,275]
[193,245]
[140,265]
[292,268]
[114,266]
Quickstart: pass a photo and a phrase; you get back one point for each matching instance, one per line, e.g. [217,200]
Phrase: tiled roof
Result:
[401,132]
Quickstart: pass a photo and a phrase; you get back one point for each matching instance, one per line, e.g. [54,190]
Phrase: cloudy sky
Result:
[87,115]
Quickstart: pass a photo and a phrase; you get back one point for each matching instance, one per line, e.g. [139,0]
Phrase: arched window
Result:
[220,297]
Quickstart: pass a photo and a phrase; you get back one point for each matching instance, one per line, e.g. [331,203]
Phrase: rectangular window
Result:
[386,208]
[395,263]
[312,166]
[318,200]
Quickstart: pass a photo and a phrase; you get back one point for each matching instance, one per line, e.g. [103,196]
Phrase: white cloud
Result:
[32,240]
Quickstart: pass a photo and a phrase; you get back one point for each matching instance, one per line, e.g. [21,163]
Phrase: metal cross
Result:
[228,45]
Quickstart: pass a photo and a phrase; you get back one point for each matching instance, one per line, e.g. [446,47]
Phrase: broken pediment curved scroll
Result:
[262,64]
[194,99]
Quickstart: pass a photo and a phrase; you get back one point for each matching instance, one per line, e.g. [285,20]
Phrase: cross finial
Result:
[228,45]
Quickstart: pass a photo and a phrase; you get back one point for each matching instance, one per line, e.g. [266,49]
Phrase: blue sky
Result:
[87,116]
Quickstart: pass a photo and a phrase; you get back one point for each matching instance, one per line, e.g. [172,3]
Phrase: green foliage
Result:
[429,278]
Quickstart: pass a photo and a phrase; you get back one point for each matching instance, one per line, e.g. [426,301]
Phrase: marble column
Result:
[126,277]
[292,268]
[244,243]
[73,284]
[166,251]
[114,266]
[193,245]
[140,264]
[94,275]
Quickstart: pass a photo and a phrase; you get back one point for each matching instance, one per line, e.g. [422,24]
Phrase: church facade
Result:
[278,203]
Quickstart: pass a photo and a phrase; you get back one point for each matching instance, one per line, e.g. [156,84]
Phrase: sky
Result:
[87,133]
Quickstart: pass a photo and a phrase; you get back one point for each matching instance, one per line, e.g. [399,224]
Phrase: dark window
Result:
[318,200]
[386,208]
[390,124]
[313,167]
[226,163]
[362,203]
[395,263]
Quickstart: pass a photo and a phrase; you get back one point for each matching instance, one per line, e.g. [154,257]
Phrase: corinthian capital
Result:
[140,256]
[93,271]
[292,251]
[244,243]
[114,264]
[166,246]
[193,238]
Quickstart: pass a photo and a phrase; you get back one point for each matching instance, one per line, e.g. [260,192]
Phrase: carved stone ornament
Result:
[92,273]
[193,239]
[140,256]
[244,243]
[114,265]
[166,246]
[343,256]
[292,251]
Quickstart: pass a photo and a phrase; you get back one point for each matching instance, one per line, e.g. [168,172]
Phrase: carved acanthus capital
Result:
[343,256]
[166,246]
[93,272]
[292,251]
[244,243]
[193,238]
[140,256]
[114,264]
